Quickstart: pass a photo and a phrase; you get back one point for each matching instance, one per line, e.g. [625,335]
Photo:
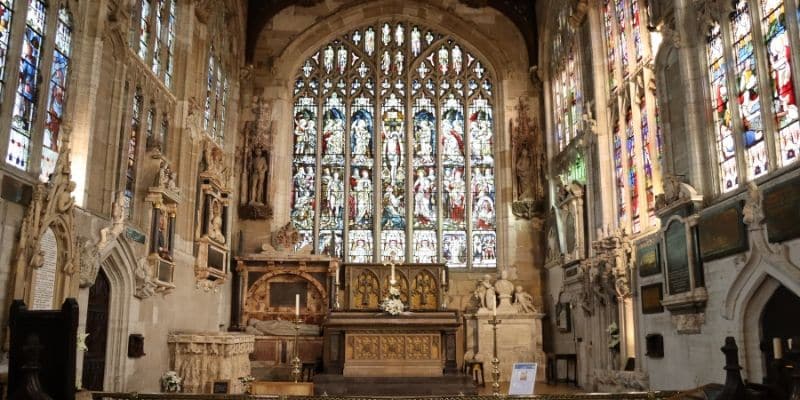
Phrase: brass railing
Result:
[587,396]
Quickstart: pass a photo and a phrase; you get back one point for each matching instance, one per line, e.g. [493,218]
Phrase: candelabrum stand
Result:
[296,363]
[495,361]
[336,305]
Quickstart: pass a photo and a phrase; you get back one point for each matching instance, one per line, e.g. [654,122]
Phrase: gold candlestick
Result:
[296,363]
[336,305]
[495,361]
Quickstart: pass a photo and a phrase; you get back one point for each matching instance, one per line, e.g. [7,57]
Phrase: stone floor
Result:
[540,388]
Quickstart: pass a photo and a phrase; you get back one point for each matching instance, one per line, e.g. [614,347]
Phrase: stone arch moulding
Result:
[118,263]
[306,43]
[751,338]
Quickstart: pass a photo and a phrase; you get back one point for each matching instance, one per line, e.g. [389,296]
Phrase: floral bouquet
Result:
[247,382]
[392,304]
[171,382]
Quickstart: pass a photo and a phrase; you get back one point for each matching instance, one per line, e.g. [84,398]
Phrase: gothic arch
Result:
[118,264]
[751,319]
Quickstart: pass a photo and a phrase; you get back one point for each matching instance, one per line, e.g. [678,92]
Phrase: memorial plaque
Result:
[651,298]
[135,235]
[649,259]
[781,211]
[44,277]
[722,233]
[220,387]
[677,255]
[571,271]
[570,233]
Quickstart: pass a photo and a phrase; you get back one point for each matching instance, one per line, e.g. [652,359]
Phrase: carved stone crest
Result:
[285,238]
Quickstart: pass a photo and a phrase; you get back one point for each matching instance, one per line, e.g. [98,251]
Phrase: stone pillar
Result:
[202,358]
[687,44]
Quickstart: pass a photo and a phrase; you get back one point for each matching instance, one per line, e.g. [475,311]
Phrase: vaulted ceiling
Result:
[521,12]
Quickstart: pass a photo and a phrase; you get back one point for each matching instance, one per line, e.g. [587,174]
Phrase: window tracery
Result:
[636,144]
[764,119]
[153,36]
[400,116]
[31,127]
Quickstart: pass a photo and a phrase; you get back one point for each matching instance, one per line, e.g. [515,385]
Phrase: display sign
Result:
[44,277]
[523,379]
[649,259]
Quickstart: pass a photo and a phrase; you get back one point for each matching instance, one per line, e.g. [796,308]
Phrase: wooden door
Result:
[94,359]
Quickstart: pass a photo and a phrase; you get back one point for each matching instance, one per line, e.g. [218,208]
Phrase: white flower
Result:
[393,291]
[82,342]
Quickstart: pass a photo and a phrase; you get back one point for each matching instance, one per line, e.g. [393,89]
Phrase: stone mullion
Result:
[437,104]
[377,164]
[409,160]
[638,151]
[136,21]
[346,174]
[738,125]
[766,94]
[320,104]
[467,124]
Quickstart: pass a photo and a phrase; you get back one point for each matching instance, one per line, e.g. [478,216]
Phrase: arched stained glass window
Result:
[566,83]
[393,149]
[30,127]
[216,99]
[153,36]
[759,131]
[636,135]
[137,107]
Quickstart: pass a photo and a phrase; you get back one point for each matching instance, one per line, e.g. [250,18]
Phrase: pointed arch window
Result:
[636,135]
[137,107]
[756,127]
[393,149]
[44,63]
[567,93]
[216,103]
[153,36]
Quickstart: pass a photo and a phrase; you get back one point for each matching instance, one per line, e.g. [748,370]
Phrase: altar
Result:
[369,352]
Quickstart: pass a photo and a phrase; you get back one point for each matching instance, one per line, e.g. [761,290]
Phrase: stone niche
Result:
[211,237]
[201,358]
[164,196]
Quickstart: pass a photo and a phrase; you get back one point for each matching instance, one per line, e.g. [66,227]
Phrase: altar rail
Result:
[587,396]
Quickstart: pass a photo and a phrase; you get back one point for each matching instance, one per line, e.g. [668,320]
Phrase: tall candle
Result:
[392,272]
[494,307]
[444,278]
[297,304]
[336,275]
[777,348]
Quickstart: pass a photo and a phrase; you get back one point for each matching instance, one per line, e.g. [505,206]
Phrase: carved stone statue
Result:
[258,177]
[752,213]
[89,261]
[523,301]
[481,290]
[505,290]
[526,154]
[111,232]
[163,175]
[145,287]
[215,223]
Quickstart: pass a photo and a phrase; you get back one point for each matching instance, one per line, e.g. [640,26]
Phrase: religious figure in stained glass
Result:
[356,166]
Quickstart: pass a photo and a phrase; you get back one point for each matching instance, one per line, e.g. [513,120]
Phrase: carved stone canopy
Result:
[677,193]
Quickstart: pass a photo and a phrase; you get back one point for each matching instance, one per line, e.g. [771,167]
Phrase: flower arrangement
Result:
[171,382]
[392,304]
[613,336]
[247,382]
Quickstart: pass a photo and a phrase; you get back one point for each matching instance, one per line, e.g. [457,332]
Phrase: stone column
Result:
[687,43]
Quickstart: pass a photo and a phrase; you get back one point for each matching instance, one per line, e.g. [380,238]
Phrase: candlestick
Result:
[444,278]
[296,363]
[393,272]
[777,348]
[495,361]
[336,277]
[494,308]
[297,305]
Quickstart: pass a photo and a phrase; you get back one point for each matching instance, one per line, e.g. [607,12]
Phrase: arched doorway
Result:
[779,320]
[97,310]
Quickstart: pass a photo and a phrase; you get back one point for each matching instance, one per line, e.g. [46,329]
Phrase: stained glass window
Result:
[776,125]
[153,36]
[133,148]
[6,13]
[402,165]
[748,91]
[216,103]
[566,83]
[635,125]
[57,94]
[780,68]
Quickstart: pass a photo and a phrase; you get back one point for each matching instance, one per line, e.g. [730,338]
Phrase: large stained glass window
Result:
[137,107]
[393,149]
[566,83]
[636,135]
[755,118]
[42,23]
[153,36]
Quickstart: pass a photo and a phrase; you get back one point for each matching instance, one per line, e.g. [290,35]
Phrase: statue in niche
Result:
[215,222]
[523,172]
[523,301]
[528,156]
[258,177]
[162,234]
[162,177]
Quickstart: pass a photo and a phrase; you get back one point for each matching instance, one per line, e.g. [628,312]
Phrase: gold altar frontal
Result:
[393,354]
[366,344]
